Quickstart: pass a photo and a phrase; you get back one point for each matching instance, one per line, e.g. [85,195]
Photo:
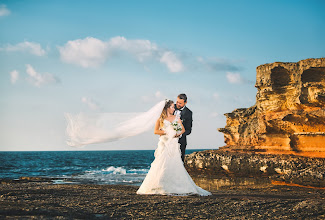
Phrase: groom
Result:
[186,116]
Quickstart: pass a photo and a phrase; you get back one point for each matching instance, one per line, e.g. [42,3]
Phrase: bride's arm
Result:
[157,129]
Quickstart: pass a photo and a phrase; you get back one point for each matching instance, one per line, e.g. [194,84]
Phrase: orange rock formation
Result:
[289,114]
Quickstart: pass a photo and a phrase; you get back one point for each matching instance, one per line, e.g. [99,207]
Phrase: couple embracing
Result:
[167,174]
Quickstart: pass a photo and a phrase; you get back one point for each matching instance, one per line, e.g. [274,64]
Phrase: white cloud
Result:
[29,47]
[234,78]
[88,52]
[158,96]
[173,63]
[40,79]
[4,11]
[92,52]
[141,49]
[90,103]
[14,75]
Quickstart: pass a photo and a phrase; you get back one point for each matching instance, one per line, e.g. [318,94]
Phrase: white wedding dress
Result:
[167,175]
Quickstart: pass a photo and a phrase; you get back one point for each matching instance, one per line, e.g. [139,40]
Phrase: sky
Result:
[126,56]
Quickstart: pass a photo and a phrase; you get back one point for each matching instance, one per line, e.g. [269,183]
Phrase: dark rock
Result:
[289,168]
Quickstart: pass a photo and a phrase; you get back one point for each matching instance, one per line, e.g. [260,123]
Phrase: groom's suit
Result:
[186,117]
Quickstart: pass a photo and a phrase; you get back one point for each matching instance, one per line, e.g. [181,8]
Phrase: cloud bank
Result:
[28,47]
[38,79]
[172,62]
[92,52]
[89,52]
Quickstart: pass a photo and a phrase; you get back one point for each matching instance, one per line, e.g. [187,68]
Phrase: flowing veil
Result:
[84,129]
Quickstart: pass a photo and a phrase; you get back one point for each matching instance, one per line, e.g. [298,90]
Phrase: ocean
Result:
[72,167]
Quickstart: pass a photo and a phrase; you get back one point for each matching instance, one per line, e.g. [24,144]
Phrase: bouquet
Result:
[176,126]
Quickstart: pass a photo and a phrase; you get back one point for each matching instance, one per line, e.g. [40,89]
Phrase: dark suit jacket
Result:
[186,117]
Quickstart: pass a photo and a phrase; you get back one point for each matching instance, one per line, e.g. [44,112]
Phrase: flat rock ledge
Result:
[292,169]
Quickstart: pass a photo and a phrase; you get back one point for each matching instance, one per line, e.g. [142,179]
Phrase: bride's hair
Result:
[164,112]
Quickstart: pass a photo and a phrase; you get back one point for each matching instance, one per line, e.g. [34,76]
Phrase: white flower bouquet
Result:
[176,126]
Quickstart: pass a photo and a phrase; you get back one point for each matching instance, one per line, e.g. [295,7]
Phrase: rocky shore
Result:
[305,171]
[39,198]
[243,186]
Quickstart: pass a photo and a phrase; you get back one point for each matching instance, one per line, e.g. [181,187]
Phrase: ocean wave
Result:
[139,171]
[120,170]
[115,170]
[110,175]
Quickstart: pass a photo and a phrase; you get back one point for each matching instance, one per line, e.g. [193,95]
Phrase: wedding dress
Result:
[167,175]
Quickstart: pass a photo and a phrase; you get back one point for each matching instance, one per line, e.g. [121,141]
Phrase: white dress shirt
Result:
[178,115]
[178,112]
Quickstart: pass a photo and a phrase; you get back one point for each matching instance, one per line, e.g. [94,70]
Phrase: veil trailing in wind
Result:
[84,129]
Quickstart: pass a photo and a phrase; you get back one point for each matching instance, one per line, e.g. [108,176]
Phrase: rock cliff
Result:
[289,114]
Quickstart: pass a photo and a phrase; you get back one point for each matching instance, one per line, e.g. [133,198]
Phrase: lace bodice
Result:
[167,123]
[172,128]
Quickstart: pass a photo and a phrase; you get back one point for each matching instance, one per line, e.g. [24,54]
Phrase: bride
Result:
[167,175]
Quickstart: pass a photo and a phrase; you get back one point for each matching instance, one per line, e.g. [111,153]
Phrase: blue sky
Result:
[125,56]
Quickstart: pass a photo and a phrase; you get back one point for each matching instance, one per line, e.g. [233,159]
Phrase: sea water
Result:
[95,167]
